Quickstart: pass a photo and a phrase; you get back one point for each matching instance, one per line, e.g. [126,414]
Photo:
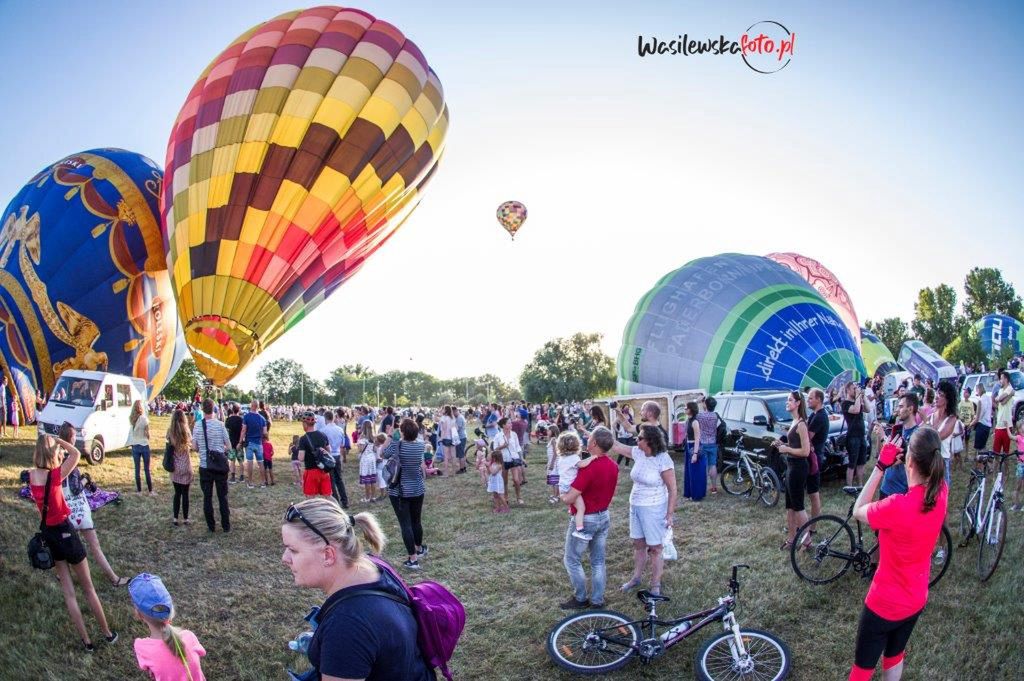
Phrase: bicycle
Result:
[990,526]
[831,557]
[742,477]
[605,640]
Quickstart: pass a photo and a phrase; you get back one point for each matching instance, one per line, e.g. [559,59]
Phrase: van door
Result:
[121,412]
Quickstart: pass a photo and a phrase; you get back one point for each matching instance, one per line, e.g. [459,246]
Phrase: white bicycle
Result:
[989,526]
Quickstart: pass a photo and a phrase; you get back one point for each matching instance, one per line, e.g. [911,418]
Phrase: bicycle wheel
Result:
[942,556]
[766,657]
[969,513]
[735,480]
[593,642]
[991,541]
[830,552]
[770,487]
[470,451]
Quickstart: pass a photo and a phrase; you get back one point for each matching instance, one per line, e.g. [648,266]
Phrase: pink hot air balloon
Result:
[825,283]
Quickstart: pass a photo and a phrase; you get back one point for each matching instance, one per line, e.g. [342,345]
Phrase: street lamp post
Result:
[302,390]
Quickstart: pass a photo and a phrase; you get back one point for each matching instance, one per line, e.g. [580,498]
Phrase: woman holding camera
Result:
[69,558]
[908,526]
[359,634]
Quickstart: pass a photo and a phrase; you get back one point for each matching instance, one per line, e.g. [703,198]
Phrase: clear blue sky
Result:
[889,149]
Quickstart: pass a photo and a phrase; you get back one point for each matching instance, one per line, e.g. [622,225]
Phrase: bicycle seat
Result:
[852,491]
[648,597]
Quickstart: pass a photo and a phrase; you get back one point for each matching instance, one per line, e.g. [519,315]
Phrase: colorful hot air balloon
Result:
[999,331]
[734,322]
[298,152]
[83,280]
[877,358]
[825,283]
[511,216]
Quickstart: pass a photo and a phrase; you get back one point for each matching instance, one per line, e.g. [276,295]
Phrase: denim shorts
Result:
[648,523]
[710,453]
[254,450]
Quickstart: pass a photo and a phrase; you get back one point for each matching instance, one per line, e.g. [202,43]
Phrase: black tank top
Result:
[793,439]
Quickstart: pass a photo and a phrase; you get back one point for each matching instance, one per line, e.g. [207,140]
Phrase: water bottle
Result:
[301,642]
[677,630]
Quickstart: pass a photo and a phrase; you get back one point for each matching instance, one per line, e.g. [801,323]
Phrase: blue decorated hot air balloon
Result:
[999,331]
[734,322]
[83,276]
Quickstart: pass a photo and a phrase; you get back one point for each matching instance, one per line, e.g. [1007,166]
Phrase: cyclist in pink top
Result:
[908,526]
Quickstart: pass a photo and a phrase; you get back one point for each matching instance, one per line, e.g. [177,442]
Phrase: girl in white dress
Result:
[367,461]
[496,485]
[382,484]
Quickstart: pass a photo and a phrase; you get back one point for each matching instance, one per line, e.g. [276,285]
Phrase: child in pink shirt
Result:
[169,654]
[1020,467]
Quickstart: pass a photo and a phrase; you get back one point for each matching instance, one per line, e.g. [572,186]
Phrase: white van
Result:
[98,405]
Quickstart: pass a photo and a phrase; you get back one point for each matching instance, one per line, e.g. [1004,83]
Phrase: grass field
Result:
[233,591]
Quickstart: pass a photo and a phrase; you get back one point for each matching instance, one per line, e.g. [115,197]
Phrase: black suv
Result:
[762,415]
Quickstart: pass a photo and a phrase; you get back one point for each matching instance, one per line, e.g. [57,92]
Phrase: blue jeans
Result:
[597,525]
[140,454]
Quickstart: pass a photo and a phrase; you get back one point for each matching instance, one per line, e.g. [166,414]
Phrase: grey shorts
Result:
[648,523]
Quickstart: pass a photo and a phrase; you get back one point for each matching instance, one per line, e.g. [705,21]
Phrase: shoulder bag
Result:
[216,461]
[393,469]
[38,551]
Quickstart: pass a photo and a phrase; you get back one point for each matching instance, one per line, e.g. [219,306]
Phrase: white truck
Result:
[98,405]
[673,410]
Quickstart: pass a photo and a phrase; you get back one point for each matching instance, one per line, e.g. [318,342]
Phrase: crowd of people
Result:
[397,450]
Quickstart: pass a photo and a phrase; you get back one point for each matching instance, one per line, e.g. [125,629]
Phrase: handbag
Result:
[956,444]
[393,469]
[669,551]
[39,555]
[323,458]
[169,457]
[216,462]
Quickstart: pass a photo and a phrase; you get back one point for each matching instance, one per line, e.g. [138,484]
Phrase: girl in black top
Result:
[797,447]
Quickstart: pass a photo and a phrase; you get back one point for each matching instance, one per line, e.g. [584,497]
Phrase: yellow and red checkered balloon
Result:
[298,152]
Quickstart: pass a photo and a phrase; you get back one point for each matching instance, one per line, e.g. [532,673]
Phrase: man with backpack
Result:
[313,446]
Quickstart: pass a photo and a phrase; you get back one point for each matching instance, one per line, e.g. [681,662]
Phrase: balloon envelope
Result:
[298,152]
[511,216]
[999,331]
[735,322]
[825,283]
[83,280]
[877,358]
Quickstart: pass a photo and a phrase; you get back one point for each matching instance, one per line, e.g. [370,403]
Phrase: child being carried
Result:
[569,463]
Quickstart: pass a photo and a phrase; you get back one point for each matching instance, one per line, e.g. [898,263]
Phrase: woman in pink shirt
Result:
[908,526]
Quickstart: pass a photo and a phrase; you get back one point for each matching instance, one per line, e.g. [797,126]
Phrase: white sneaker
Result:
[940,556]
[581,534]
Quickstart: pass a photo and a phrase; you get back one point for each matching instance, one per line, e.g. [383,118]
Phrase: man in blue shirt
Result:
[491,422]
[254,427]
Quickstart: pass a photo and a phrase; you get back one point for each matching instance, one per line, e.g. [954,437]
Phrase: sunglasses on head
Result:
[294,513]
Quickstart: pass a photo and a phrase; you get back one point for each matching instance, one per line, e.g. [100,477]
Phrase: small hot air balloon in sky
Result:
[511,216]
[826,283]
[734,322]
[299,151]
[83,280]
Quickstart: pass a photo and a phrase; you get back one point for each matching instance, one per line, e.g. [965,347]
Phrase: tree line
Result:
[941,327]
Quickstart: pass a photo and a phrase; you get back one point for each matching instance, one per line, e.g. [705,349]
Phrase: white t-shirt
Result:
[870,414]
[648,487]
[567,470]
[335,436]
[511,453]
[551,452]
[138,436]
[1004,412]
[985,410]
[446,424]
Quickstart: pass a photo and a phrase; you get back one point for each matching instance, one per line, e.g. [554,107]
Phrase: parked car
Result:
[760,416]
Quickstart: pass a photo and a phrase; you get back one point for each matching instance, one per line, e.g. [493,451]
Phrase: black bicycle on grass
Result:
[602,641]
[826,553]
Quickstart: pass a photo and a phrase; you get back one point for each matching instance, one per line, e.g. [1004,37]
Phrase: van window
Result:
[124,395]
[78,391]
[755,408]
[108,393]
[735,410]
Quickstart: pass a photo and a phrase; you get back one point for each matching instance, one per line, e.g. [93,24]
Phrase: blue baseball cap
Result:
[150,596]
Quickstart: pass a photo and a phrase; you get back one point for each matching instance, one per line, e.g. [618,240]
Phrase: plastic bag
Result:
[668,551]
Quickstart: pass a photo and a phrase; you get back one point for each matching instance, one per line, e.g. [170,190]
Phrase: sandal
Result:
[785,545]
[630,585]
[121,581]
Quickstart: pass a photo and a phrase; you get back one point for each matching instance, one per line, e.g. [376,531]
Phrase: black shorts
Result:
[64,543]
[796,482]
[446,442]
[814,482]
[877,636]
[509,465]
[856,451]
[268,464]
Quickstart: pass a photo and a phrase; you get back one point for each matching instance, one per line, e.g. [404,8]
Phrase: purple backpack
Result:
[440,618]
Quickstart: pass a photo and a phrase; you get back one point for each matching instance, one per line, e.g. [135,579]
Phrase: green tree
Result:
[935,319]
[892,331]
[184,382]
[569,369]
[966,348]
[232,393]
[283,380]
[987,292]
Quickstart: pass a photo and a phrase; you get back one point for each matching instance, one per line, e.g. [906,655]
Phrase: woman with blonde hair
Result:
[139,440]
[180,440]
[323,550]
[61,537]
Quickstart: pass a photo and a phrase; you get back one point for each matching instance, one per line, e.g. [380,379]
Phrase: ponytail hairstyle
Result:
[926,453]
[339,528]
[171,636]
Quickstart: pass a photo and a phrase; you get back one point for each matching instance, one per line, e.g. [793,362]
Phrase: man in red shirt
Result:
[596,484]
